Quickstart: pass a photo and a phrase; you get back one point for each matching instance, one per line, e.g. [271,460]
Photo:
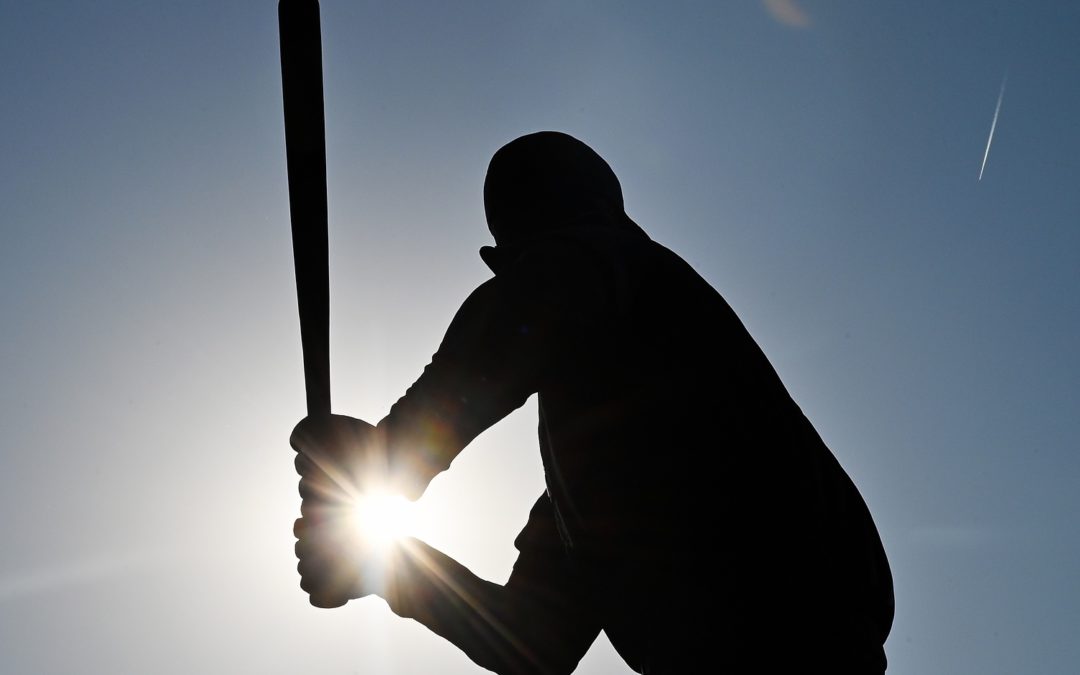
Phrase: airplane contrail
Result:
[993,125]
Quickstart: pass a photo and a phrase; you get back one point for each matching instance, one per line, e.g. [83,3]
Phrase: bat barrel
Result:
[305,145]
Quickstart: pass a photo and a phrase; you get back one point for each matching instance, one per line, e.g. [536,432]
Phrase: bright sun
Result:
[383,518]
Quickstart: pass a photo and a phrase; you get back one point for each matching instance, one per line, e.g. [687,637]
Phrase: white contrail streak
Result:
[993,125]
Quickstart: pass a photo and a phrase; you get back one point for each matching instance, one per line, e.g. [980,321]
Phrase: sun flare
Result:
[383,518]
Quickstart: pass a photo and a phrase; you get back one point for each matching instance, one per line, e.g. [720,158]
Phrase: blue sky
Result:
[817,162]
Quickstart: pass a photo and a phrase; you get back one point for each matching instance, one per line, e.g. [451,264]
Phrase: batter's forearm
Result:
[438,416]
[492,624]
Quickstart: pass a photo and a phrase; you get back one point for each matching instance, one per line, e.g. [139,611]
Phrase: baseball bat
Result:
[305,148]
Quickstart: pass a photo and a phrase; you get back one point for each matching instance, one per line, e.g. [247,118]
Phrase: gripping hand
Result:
[336,457]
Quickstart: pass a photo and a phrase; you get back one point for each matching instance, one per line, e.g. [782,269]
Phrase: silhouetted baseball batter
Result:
[691,512]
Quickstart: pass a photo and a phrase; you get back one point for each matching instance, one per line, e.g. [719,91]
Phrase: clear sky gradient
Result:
[816,161]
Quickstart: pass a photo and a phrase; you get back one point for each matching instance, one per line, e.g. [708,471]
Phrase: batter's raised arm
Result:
[501,345]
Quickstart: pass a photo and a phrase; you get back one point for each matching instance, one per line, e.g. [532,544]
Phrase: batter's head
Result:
[546,181]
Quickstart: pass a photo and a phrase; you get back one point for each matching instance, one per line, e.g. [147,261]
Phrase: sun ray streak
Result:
[993,125]
[458,594]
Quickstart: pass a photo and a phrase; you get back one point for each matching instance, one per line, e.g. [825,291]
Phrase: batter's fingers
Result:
[303,464]
[316,510]
[302,433]
[309,549]
[321,579]
[315,489]
[313,576]
[311,465]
